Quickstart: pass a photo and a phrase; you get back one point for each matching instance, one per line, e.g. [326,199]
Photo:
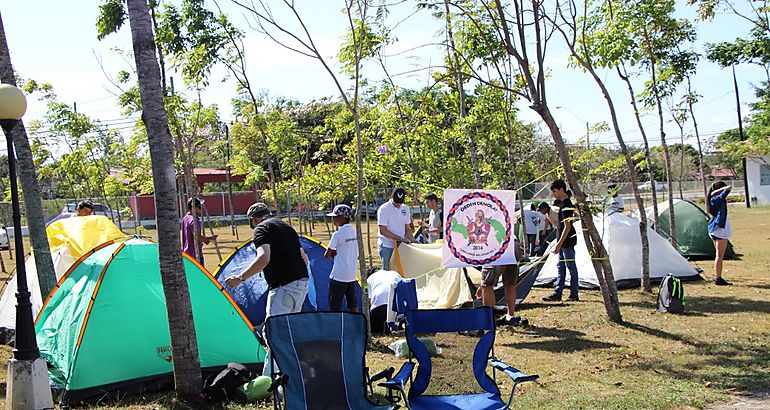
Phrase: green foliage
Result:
[112,14]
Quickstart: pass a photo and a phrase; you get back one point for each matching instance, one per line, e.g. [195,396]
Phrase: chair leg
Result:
[510,399]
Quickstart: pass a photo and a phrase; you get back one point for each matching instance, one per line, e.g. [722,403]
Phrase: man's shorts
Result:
[491,274]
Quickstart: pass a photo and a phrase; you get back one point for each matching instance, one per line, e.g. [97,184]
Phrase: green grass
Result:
[657,361]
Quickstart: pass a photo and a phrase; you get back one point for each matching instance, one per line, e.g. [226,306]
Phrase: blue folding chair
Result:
[446,321]
[404,300]
[320,357]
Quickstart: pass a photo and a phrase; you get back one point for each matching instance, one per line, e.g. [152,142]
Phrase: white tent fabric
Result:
[62,260]
[437,287]
[622,240]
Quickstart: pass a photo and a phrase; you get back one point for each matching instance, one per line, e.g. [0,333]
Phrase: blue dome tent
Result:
[251,296]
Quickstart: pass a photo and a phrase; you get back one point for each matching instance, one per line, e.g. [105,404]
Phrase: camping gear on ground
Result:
[692,236]
[621,238]
[453,320]
[671,295]
[251,296]
[256,389]
[401,348]
[225,385]
[322,354]
[68,240]
[104,330]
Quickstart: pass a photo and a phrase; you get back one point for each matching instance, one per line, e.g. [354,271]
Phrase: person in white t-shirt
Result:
[615,202]
[533,224]
[433,226]
[394,220]
[379,282]
[343,248]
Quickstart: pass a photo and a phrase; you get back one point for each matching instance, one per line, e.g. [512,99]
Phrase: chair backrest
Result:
[446,321]
[323,355]
[405,298]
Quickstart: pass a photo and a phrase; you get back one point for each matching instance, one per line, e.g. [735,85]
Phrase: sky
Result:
[55,42]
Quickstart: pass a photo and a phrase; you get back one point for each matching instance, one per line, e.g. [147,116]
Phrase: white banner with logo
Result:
[478,228]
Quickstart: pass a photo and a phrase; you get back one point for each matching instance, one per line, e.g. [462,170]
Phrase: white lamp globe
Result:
[13,104]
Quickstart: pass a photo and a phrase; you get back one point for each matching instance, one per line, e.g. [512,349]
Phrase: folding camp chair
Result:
[320,356]
[445,321]
[403,298]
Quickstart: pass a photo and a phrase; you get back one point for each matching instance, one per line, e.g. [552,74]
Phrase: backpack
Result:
[225,384]
[671,295]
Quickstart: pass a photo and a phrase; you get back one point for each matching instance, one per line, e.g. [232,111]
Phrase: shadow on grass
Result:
[701,305]
[759,286]
[659,333]
[3,386]
[558,340]
[725,366]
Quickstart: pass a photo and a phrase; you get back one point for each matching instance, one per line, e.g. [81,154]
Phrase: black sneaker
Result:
[552,298]
[721,282]
[573,298]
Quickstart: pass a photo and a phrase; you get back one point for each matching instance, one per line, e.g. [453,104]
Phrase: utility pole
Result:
[743,138]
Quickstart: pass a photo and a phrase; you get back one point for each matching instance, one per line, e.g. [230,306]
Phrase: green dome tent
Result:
[692,237]
[104,329]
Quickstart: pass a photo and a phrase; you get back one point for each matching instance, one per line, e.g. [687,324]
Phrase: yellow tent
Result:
[69,239]
[81,234]
[437,287]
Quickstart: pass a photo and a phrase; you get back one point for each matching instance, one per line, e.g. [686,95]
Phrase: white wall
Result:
[760,192]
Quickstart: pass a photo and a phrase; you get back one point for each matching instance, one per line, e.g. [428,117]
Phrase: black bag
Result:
[225,384]
[671,295]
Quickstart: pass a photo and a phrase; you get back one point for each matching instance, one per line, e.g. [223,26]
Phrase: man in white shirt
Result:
[379,282]
[433,227]
[615,202]
[533,224]
[394,220]
[343,248]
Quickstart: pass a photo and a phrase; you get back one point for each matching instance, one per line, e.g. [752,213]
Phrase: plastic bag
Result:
[401,348]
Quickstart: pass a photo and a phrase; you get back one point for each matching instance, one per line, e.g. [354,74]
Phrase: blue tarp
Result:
[251,296]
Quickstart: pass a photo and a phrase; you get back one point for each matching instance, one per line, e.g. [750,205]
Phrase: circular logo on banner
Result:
[478,228]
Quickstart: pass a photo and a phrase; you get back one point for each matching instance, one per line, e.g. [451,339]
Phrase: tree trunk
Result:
[634,179]
[599,256]
[647,153]
[184,346]
[697,138]
[461,100]
[667,157]
[46,275]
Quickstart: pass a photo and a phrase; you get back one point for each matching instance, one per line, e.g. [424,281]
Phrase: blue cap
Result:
[341,210]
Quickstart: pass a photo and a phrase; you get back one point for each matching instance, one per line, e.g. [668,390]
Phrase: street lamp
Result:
[27,380]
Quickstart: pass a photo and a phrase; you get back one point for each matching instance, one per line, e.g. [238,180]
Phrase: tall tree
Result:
[361,43]
[184,345]
[524,32]
[29,184]
[578,28]
[454,64]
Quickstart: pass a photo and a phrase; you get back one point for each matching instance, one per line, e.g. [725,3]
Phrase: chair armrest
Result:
[515,374]
[278,381]
[401,378]
[385,374]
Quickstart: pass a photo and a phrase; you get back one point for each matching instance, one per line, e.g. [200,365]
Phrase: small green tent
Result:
[692,237]
[104,330]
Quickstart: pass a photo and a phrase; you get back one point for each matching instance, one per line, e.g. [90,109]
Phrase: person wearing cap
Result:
[432,227]
[615,202]
[394,220]
[85,208]
[343,248]
[191,222]
[284,264]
